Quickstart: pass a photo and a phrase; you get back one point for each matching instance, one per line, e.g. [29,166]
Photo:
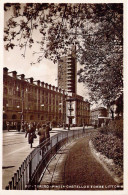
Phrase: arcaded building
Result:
[29,100]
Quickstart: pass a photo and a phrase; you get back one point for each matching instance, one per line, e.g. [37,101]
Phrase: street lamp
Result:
[42,105]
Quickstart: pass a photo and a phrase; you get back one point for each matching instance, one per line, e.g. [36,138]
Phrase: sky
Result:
[45,71]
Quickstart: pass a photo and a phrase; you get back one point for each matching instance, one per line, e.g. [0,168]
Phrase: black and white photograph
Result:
[63,96]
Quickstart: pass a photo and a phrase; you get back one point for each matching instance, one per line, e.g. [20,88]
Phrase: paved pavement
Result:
[16,149]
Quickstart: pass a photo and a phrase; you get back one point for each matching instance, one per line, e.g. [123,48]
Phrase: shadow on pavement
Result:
[7,167]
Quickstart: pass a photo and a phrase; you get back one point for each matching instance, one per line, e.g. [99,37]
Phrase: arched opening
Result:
[14,116]
[31,117]
[5,116]
[42,117]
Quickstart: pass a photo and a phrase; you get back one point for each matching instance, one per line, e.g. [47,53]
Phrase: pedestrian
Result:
[38,126]
[15,125]
[48,129]
[34,125]
[42,138]
[47,133]
[50,124]
[25,126]
[41,133]
[31,134]
[64,126]
[8,126]
[69,126]
[18,126]
[83,128]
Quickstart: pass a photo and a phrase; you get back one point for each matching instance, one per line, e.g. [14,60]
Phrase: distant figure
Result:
[18,126]
[47,134]
[37,127]
[63,125]
[8,126]
[48,129]
[83,128]
[31,133]
[25,127]
[50,126]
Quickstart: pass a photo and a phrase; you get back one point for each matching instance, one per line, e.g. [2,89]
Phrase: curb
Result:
[108,164]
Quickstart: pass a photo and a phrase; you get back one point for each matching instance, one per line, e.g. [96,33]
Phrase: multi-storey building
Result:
[25,99]
[78,110]
[67,72]
[31,100]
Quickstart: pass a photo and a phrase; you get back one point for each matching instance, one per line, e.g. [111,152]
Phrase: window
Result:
[5,91]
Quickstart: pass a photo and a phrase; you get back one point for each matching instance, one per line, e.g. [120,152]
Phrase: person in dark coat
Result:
[83,128]
[47,133]
[48,129]
[41,133]
[18,126]
[30,132]
[42,138]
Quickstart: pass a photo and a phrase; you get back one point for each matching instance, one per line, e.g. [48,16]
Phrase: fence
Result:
[31,170]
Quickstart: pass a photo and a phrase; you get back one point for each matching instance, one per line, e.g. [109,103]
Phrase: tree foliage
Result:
[96,30]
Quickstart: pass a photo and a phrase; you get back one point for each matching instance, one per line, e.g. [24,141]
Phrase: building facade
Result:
[78,110]
[27,100]
[31,100]
[99,116]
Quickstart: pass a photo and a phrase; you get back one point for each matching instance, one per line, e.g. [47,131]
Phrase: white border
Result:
[125,2]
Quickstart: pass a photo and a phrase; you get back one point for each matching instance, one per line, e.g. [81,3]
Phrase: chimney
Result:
[56,88]
[31,80]
[53,87]
[42,84]
[22,76]
[46,85]
[50,87]
[38,82]
[5,71]
[14,74]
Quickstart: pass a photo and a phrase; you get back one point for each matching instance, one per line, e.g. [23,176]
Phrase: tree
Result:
[96,31]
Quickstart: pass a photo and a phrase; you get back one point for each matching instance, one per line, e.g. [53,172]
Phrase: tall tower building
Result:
[67,72]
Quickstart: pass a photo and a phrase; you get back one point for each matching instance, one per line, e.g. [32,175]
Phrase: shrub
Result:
[115,127]
[110,146]
[104,130]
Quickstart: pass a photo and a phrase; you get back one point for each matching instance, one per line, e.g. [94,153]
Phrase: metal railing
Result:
[30,173]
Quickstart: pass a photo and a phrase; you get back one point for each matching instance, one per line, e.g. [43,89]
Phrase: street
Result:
[15,150]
